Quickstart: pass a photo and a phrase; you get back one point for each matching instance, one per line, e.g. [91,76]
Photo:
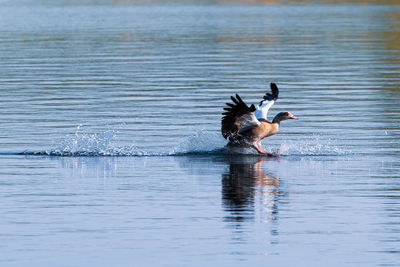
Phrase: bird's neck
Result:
[278,118]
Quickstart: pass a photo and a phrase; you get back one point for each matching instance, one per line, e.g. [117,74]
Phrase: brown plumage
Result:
[241,127]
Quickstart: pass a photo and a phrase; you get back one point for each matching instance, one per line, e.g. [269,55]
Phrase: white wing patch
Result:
[246,122]
[261,112]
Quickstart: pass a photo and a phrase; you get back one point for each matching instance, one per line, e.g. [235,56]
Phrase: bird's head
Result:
[282,116]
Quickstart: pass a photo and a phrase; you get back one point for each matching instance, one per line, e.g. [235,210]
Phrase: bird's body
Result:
[254,135]
[247,126]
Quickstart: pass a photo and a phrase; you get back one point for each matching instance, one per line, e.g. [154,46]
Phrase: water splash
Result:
[202,142]
[314,145]
[87,144]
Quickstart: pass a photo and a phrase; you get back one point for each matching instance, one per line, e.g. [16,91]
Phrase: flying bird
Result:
[246,126]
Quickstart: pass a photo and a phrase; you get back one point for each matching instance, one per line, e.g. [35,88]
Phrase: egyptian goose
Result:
[247,126]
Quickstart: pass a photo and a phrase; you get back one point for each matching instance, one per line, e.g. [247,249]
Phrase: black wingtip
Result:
[239,98]
[275,90]
[274,93]
[234,100]
[274,87]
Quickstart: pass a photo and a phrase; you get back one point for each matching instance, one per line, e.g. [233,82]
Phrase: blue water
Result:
[110,150]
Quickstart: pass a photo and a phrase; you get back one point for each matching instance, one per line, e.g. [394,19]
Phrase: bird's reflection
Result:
[248,191]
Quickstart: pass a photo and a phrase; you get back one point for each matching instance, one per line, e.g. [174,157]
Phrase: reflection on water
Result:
[237,209]
[243,183]
[249,194]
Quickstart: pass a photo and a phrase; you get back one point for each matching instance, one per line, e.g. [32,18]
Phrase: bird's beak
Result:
[294,118]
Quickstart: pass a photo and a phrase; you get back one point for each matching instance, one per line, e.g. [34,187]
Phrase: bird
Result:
[246,127]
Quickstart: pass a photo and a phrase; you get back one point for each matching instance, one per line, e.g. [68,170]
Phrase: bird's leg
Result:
[262,151]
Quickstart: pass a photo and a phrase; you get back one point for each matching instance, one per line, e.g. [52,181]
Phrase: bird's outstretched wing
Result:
[267,102]
[238,117]
[274,95]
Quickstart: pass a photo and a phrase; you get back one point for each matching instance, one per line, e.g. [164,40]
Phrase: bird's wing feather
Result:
[238,117]
[274,95]
[247,122]
[262,110]
[267,102]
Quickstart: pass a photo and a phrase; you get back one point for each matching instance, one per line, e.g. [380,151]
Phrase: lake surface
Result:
[109,140]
